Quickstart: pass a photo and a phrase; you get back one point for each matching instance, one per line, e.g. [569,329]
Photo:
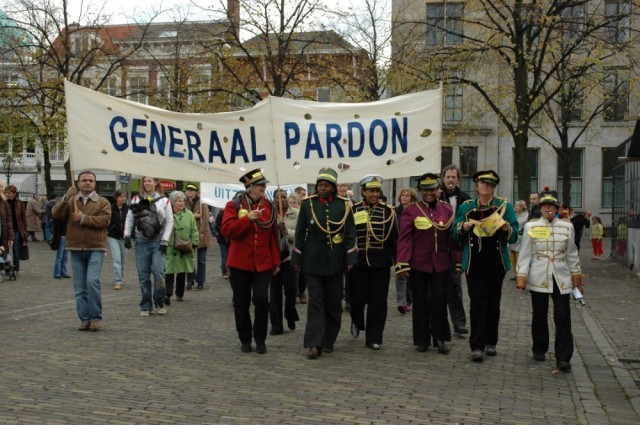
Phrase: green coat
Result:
[184,224]
[317,252]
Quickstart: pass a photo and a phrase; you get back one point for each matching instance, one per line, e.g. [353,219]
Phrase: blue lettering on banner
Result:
[379,137]
[145,136]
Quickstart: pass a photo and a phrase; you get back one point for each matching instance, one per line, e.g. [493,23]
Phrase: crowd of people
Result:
[325,248]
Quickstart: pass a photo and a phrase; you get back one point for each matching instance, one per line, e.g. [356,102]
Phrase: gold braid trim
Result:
[441,227]
[340,223]
[371,233]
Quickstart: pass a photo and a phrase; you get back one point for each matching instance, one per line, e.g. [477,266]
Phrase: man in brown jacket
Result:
[88,215]
[201,213]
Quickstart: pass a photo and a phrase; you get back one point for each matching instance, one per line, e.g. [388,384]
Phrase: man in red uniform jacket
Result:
[254,256]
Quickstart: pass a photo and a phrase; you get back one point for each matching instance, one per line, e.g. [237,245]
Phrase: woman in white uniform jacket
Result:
[548,264]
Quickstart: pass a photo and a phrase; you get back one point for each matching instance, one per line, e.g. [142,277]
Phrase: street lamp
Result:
[7,163]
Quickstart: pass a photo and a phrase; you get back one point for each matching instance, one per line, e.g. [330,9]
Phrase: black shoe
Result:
[327,350]
[539,357]
[178,298]
[460,330]
[374,346]
[490,350]
[564,366]
[167,301]
[246,348]
[442,347]
[477,356]
[422,348]
[200,288]
[275,332]
[261,348]
[291,324]
[401,309]
[355,332]
[313,353]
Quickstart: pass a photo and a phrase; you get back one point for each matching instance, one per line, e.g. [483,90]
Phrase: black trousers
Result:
[286,280]
[429,316]
[179,279]
[302,283]
[454,299]
[250,287]
[562,319]
[485,293]
[369,287]
[324,310]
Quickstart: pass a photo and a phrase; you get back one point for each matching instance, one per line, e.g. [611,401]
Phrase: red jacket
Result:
[252,248]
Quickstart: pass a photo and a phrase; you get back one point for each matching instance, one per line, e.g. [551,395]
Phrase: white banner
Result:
[218,195]
[290,140]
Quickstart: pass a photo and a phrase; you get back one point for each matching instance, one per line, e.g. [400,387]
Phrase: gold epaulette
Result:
[343,198]
[315,195]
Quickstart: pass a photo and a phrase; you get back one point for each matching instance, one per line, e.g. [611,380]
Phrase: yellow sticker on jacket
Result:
[337,238]
[422,223]
[540,232]
[242,213]
[361,217]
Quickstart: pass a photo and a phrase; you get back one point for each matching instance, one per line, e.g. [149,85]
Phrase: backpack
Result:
[146,218]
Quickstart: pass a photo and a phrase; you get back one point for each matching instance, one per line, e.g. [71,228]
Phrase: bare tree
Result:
[507,51]
[56,47]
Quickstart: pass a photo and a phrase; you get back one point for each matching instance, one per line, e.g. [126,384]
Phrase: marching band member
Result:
[376,235]
[485,225]
[425,254]
[325,246]
[549,266]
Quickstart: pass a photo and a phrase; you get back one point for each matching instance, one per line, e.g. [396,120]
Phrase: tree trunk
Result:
[522,165]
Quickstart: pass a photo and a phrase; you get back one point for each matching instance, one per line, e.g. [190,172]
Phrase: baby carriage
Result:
[6,264]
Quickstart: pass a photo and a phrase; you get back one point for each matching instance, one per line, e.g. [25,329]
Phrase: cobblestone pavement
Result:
[187,368]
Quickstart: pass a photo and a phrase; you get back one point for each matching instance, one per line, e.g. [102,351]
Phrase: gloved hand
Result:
[127,242]
[163,249]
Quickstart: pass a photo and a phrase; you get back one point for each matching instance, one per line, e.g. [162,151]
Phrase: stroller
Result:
[6,264]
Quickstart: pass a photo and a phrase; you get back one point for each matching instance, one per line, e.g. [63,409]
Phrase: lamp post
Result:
[7,163]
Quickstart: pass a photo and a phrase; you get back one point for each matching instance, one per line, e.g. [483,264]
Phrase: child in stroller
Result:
[6,264]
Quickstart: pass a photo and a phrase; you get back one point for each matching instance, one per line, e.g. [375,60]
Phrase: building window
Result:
[616,86]
[468,166]
[453,98]
[609,161]
[571,102]
[137,89]
[199,89]
[324,94]
[618,16]
[444,23]
[573,22]
[446,156]
[532,154]
[576,177]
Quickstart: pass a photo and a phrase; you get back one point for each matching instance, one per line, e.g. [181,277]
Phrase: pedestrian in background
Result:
[33,218]
[201,213]
[180,259]
[87,215]
[115,236]
[18,218]
[485,226]
[286,279]
[254,257]
[150,219]
[596,235]
[324,249]
[376,238]
[580,222]
[223,244]
[48,219]
[522,215]
[549,266]
[454,196]
[406,197]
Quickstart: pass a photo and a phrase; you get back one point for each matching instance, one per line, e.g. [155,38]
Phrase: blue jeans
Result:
[118,254]
[48,231]
[223,257]
[201,268]
[60,266]
[87,267]
[16,251]
[150,261]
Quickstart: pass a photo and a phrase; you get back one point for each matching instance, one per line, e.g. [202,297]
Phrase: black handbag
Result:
[24,251]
